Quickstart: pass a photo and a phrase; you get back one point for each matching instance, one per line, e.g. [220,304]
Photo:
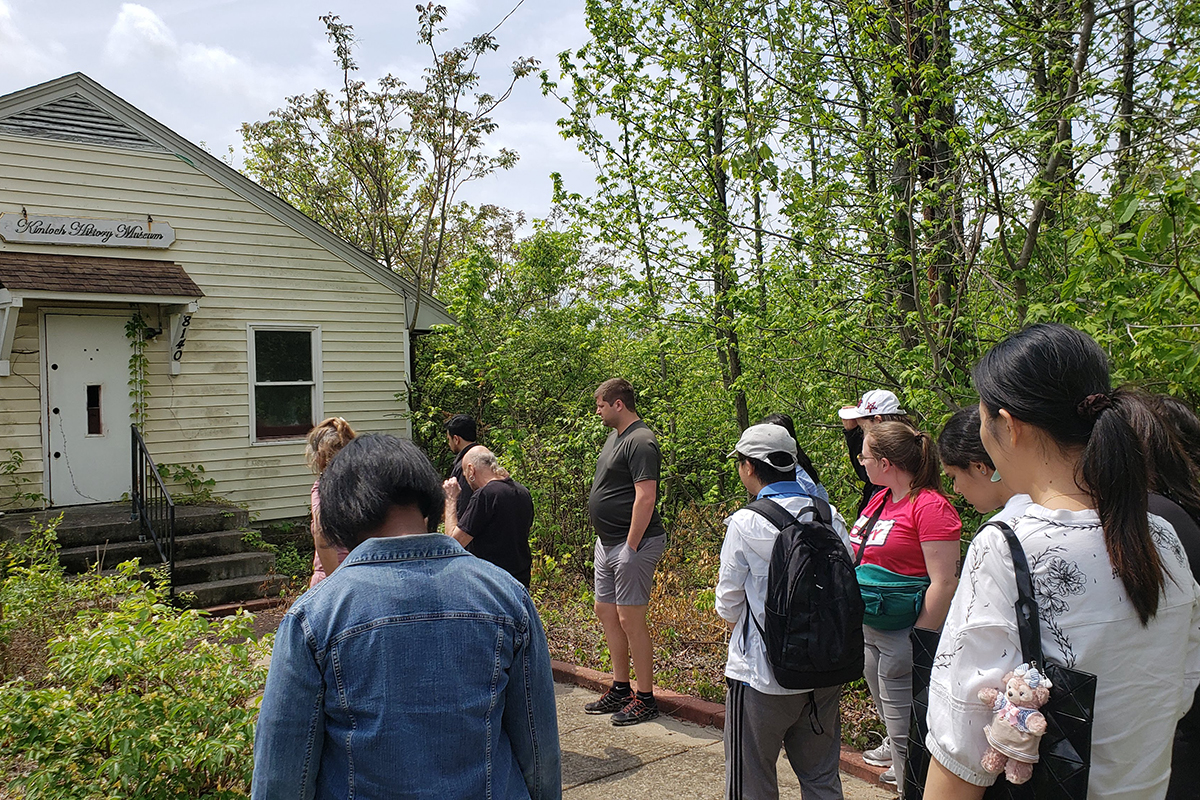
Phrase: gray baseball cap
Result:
[760,441]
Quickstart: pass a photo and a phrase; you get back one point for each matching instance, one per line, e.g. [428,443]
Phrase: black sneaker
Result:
[609,702]
[635,711]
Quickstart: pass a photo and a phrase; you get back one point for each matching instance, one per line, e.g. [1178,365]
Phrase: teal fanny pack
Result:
[892,601]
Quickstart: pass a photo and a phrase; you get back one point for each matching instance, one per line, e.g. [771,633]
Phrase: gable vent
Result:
[74,119]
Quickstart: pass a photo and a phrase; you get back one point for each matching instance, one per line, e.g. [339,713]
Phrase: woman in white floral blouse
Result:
[1116,596]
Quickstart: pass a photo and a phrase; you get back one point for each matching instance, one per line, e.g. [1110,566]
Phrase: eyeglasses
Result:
[864,459]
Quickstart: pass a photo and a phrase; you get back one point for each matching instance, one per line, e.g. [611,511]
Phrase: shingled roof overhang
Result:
[51,276]
[48,276]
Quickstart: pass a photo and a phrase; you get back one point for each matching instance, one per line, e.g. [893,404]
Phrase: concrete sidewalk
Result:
[666,758]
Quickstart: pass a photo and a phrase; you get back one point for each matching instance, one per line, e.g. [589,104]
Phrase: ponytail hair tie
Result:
[1092,405]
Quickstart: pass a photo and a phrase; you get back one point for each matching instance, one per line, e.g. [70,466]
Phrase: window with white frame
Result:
[285,367]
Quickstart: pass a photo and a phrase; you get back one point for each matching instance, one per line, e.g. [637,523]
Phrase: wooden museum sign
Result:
[28,229]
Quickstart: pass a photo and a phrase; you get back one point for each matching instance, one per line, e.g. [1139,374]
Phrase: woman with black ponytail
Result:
[1115,593]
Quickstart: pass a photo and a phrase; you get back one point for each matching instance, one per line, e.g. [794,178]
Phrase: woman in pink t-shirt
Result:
[915,533]
[324,442]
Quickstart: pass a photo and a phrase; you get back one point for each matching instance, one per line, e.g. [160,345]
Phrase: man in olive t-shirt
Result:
[630,540]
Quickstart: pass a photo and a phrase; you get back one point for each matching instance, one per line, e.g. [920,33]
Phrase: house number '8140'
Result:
[183,329]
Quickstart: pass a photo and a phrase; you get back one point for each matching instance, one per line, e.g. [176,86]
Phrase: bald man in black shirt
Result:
[495,525]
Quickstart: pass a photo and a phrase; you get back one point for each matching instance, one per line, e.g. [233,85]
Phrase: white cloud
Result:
[140,36]
[460,12]
[207,63]
[137,33]
[18,56]
[216,69]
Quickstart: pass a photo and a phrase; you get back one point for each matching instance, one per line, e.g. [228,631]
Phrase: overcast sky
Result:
[203,67]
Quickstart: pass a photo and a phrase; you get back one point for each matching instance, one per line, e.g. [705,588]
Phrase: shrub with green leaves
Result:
[136,698]
[197,489]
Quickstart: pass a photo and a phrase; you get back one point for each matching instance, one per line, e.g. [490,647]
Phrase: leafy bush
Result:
[294,563]
[134,698]
[197,489]
[291,562]
[11,475]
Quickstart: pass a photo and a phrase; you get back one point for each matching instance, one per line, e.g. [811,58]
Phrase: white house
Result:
[267,321]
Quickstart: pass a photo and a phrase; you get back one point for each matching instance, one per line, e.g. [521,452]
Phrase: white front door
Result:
[87,406]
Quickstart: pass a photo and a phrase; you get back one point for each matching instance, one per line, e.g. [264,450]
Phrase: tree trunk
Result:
[723,275]
[903,258]
[1125,159]
[1062,136]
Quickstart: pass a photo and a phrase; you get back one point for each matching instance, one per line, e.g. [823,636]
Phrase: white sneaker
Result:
[881,756]
[888,778]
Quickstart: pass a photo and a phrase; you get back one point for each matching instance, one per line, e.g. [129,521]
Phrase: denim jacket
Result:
[414,670]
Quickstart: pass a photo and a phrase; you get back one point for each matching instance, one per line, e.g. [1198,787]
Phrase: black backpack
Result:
[814,610]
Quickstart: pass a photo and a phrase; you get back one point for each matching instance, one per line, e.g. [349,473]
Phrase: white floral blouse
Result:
[1146,676]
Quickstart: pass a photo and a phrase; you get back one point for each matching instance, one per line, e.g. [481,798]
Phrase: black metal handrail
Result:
[151,503]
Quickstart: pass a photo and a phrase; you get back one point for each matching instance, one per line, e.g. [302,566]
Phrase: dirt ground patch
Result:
[267,620]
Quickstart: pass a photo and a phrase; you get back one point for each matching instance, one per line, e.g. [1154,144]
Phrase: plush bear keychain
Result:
[1017,726]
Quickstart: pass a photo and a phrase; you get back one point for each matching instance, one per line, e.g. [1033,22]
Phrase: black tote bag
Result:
[1065,750]
[916,763]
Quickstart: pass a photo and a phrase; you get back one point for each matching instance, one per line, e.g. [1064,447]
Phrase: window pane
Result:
[281,411]
[283,355]
[95,428]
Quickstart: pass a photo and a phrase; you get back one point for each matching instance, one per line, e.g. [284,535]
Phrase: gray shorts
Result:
[624,577]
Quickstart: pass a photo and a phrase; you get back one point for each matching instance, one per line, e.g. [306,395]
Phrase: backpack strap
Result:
[774,513]
[865,531]
[780,517]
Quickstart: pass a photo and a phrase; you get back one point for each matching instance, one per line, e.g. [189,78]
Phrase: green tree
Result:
[382,167]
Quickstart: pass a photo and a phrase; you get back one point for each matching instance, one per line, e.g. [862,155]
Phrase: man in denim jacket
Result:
[415,669]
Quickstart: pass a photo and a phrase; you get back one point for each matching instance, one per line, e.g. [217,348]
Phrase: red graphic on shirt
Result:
[896,538]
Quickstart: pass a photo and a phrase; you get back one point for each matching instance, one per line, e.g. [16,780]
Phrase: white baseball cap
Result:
[761,441]
[876,401]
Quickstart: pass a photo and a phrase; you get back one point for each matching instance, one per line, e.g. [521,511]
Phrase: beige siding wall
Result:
[252,269]
[20,409]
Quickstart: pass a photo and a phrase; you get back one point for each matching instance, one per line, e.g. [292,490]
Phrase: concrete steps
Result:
[109,554]
[110,522]
[212,562]
[231,590]
[214,569]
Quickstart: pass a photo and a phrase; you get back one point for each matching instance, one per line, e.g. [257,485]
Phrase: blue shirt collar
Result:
[782,489]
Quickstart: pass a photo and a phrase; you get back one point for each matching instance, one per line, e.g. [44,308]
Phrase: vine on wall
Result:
[139,384]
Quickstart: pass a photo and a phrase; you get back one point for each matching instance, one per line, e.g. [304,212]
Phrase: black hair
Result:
[1056,378]
[1182,420]
[959,444]
[785,422]
[463,426]
[370,475]
[1165,425]
[768,472]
